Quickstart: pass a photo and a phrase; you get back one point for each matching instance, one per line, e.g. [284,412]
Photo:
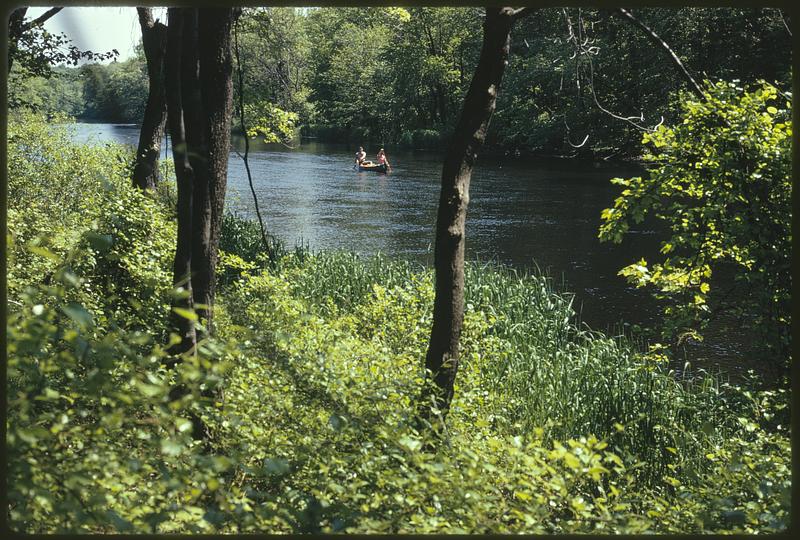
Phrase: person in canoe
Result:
[382,159]
[360,156]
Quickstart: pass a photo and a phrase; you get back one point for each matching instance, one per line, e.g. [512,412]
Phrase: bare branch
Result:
[240,73]
[652,36]
[41,19]
[522,12]
[584,48]
[566,125]
[783,20]
[629,119]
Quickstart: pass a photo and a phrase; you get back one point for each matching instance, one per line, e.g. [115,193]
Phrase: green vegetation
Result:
[309,386]
[721,181]
[398,75]
[115,92]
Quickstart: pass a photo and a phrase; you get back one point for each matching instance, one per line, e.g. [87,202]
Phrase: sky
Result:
[98,29]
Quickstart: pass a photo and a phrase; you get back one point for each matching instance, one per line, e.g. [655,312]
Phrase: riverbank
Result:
[318,363]
[524,213]
[430,141]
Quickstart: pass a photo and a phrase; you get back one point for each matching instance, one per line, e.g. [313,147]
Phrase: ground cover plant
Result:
[315,371]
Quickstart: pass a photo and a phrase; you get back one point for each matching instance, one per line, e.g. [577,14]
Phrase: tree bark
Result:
[441,360]
[184,177]
[200,103]
[15,29]
[154,41]
[216,100]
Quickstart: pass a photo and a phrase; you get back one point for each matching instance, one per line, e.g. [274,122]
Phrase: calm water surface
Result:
[522,213]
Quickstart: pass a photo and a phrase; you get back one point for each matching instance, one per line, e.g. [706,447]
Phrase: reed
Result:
[557,374]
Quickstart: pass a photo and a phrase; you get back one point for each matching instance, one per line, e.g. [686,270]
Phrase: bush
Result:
[309,387]
[98,443]
[332,349]
[720,181]
[422,139]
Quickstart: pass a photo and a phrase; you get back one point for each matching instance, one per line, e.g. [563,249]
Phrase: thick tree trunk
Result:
[154,41]
[184,177]
[199,103]
[216,99]
[15,28]
[442,357]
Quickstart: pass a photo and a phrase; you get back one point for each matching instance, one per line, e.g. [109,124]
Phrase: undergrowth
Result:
[314,375]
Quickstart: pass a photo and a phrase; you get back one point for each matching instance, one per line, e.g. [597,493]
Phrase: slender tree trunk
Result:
[154,41]
[442,357]
[184,176]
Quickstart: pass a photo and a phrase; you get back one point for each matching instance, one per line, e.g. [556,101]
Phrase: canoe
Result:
[372,167]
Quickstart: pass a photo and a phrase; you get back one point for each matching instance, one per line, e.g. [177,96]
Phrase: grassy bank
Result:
[316,369]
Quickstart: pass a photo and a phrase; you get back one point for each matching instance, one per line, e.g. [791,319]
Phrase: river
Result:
[523,212]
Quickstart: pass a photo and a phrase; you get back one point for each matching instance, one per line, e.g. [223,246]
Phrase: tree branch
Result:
[783,20]
[652,36]
[41,19]
[240,73]
[145,18]
[522,12]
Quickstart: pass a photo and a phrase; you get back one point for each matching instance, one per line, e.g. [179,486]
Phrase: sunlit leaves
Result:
[271,123]
[720,182]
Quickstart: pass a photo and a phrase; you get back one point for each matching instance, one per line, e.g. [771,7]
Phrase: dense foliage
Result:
[721,182]
[314,371]
[398,75]
[114,92]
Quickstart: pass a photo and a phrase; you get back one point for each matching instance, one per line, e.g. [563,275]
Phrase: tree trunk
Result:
[154,41]
[199,103]
[15,28]
[216,99]
[184,176]
[201,94]
[442,357]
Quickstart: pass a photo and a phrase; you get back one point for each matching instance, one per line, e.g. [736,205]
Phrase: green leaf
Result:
[186,313]
[78,313]
[171,447]
[572,461]
[99,242]
[276,466]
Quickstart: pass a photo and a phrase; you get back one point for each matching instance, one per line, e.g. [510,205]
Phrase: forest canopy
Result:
[397,75]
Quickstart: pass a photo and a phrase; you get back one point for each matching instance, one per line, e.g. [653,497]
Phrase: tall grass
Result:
[555,374]
[569,380]
[347,278]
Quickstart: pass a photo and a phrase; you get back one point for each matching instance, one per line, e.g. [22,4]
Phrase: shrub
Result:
[309,387]
[720,180]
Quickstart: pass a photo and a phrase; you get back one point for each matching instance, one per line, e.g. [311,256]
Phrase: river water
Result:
[523,212]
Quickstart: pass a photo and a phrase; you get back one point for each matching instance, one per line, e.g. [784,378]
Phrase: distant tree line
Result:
[114,92]
[398,75]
